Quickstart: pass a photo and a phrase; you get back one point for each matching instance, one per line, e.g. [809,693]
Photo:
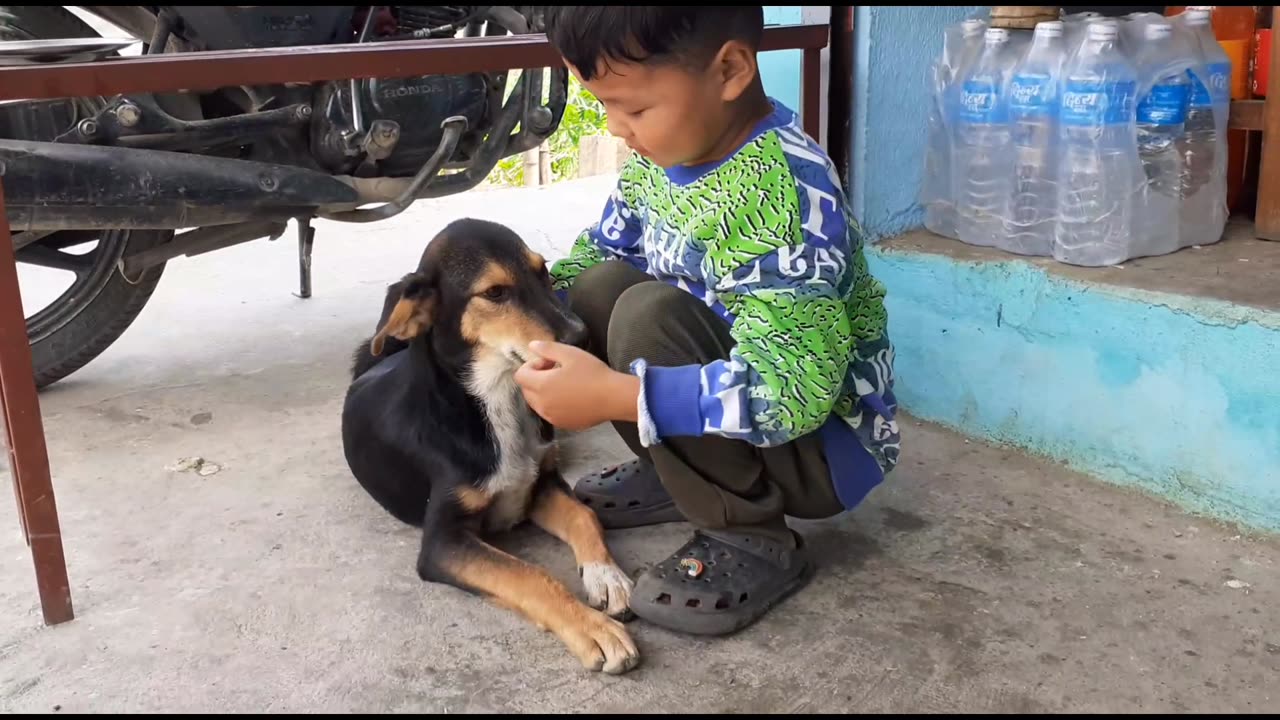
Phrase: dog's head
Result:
[483,295]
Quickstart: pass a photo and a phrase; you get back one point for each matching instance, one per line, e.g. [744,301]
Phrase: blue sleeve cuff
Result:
[669,401]
[562,295]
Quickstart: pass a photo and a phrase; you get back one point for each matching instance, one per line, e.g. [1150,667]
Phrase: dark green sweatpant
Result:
[717,483]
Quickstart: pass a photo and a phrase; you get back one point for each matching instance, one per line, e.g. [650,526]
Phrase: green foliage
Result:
[583,117]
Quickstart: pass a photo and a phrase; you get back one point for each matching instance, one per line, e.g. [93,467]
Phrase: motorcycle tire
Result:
[84,321]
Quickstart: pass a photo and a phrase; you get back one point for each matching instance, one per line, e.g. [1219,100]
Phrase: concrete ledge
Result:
[1163,374]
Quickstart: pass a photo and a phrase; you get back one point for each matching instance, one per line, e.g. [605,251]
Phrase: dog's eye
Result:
[497,293]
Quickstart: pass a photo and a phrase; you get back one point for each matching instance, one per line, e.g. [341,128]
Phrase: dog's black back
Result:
[415,426]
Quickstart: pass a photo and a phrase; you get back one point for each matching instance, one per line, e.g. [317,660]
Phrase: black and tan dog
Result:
[437,431]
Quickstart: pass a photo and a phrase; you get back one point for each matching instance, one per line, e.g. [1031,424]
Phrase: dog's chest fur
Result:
[518,441]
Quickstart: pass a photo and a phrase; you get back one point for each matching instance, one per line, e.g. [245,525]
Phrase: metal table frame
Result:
[19,402]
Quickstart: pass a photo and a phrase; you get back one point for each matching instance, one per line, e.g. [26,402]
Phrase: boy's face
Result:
[669,113]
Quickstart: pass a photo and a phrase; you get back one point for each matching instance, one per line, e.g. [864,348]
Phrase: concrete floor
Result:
[978,579]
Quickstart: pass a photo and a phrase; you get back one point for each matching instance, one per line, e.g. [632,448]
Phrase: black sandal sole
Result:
[710,587]
[619,506]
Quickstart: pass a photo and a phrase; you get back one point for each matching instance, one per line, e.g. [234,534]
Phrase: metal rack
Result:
[19,403]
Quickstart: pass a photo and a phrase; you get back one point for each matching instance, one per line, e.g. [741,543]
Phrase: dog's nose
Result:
[575,334]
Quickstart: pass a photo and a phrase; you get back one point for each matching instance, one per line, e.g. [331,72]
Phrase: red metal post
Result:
[1267,216]
[811,93]
[24,433]
[840,89]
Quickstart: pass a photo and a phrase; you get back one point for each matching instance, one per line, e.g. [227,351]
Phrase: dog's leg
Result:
[463,560]
[557,511]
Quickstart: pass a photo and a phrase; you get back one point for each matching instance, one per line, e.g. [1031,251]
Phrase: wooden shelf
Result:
[1248,114]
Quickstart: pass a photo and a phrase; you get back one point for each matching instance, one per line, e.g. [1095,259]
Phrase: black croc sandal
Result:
[720,582]
[627,495]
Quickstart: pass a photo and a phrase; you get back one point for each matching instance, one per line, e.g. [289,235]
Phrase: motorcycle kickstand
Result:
[306,240]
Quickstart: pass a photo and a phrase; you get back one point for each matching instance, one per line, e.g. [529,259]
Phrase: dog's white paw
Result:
[608,588]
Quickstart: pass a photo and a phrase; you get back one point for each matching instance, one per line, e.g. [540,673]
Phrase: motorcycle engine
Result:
[416,105]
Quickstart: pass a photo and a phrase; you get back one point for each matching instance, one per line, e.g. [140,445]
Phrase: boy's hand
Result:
[572,389]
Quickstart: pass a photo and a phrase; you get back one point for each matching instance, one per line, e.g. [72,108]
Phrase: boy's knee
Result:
[594,294]
[596,290]
[646,323]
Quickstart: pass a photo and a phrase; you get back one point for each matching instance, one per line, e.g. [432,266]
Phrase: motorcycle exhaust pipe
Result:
[55,186]
[198,242]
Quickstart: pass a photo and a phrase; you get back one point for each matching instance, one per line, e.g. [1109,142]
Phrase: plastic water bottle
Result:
[1203,150]
[1074,25]
[1033,96]
[961,44]
[1161,115]
[1099,168]
[981,161]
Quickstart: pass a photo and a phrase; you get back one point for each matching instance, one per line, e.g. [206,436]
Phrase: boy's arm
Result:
[615,237]
[794,338]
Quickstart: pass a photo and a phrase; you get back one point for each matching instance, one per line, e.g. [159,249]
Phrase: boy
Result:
[738,342]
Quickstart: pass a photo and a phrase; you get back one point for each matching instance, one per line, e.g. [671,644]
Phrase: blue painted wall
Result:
[780,69]
[1174,394]
[893,49]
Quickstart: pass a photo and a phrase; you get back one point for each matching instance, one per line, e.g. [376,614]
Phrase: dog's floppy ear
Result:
[411,315]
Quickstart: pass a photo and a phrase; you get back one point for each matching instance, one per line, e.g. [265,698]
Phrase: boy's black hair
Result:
[586,35]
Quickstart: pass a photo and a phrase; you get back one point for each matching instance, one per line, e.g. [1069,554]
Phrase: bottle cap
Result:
[972,27]
[1198,16]
[1158,31]
[996,35]
[1103,31]
[1049,29]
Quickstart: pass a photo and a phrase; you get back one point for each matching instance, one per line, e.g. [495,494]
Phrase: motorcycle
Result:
[110,189]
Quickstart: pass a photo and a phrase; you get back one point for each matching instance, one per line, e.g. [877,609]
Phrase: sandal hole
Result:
[742,598]
[663,599]
[693,603]
[722,603]
[633,503]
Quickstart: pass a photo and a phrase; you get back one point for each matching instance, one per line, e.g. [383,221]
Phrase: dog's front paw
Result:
[608,589]
[600,642]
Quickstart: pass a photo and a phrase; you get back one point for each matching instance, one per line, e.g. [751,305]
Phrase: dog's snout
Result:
[574,333]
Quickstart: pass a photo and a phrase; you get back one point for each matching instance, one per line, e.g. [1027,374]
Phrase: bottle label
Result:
[1219,87]
[1098,102]
[1165,105]
[1030,94]
[980,102]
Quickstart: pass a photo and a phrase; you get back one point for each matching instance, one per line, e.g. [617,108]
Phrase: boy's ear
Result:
[736,65]
[411,315]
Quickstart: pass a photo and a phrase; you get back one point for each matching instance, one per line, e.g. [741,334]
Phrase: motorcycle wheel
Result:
[100,304]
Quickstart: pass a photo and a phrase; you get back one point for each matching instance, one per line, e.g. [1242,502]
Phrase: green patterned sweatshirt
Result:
[766,239]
